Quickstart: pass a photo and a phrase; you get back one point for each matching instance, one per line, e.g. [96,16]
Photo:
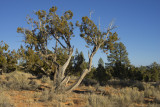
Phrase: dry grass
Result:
[45,79]
[17,89]
[152,92]
[19,81]
[49,95]
[125,97]
[4,100]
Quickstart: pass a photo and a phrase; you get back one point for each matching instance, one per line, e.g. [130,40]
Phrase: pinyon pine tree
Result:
[118,59]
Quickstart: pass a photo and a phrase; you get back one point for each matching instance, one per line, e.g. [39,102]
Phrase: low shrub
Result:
[20,81]
[89,82]
[133,94]
[126,83]
[50,95]
[125,97]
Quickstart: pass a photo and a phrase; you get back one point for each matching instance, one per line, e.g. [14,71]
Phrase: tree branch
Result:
[67,62]
[41,69]
[59,42]
[46,56]
[66,41]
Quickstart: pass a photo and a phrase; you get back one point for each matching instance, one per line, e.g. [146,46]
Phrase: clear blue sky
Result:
[138,23]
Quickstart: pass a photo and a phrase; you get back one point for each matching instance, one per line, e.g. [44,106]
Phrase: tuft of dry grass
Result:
[4,100]
[98,101]
[49,95]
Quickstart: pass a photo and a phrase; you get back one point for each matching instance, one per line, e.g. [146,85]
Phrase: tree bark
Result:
[85,72]
[75,85]
[1,71]
[55,58]
[62,80]
[67,63]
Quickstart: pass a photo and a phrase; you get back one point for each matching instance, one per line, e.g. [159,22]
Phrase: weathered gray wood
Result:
[85,72]
[1,71]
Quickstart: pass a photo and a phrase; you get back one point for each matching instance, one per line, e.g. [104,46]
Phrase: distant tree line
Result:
[119,66]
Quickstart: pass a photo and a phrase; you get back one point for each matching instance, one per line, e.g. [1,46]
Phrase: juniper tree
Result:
[3,60]
[60,30]
[12,58]
[95,40]
[8,59]
[50,27]
[153,71]
[32,62]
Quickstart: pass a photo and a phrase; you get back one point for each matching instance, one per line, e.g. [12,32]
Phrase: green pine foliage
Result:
[79,63]
[3,60]
[36,56]
[101,74]
[119,54]
[101,62]
[119,61]
[152,72]
[8,59]
[30,61]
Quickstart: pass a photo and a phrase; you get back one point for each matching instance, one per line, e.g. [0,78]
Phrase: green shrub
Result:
[89,82]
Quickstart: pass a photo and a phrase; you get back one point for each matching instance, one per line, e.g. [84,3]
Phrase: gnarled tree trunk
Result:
[61,80]
[1,71]
[85,71]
